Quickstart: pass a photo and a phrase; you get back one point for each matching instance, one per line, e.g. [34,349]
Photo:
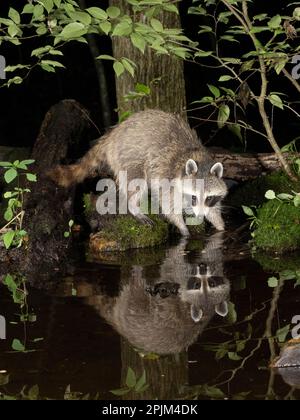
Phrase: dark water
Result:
[197,319]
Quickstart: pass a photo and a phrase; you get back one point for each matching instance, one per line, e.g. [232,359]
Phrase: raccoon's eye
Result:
[215,281]
[194,200]
[212,200]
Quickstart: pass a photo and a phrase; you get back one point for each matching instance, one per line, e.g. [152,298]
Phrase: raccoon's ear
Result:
[196,313]
[217,169]
[222,309]
[191,167]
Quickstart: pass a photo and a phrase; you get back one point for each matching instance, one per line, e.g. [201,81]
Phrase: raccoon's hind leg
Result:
[214,216]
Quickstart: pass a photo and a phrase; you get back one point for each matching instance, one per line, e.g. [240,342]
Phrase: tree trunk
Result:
[162,73]
[48,208]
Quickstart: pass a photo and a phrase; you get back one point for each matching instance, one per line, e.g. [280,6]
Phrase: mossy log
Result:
[48,208]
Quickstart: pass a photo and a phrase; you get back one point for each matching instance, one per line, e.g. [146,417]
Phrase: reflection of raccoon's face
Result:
[206,292]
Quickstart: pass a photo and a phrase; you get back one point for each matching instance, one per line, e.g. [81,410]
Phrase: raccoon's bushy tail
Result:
[67,175]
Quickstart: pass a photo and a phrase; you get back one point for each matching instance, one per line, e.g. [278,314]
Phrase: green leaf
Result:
[8,238]
[28,8]
[8,214]
[118,68]
[122,29]
[106,57]
[38,11]
[53,63]
[17,345]
[10,175]
[156,25]
[48,4]
[73,30]
[225,78]
[120,392]
[28,161]
[130,378]
[282,333]
[66,234]
[13,30]
[223,116]
[113,12]
[270,195]
[284,196]
[236,130]
[128,66]
[33,392]
[5,164]
[141,88]
[276,101]
[273,282]
[215,91]
[97,13]
[231,317]
[297,200]
[31,177]
[275,22]
[82,17]
[248,211]
[141,382]
[138,41]
[14,15]
[105,27]
[234,356]
[203,53]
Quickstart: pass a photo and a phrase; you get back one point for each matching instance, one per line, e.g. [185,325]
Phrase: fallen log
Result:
[48,208]
[246,166]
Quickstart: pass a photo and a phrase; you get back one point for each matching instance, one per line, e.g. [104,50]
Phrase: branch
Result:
[291,79]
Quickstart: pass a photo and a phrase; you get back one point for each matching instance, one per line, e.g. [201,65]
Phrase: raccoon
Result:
[153,145]
[166,324]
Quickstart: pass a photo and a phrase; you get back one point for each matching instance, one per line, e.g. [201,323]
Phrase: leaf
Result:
[73,30]
[273,282]
[113,12]
[215,91]
[129,67]
[225,78]
[52,63]
[105,27]
[203,53]
[141,88]
[248,211]
[282,333]
[297,201]
[81,17]
[156,25]
[71,223]
[8,215]
[122,29]
[138,41]
[141,382]
[8,238]
[28,161]
[234,356]
[97,13]
[31,177]
[12,30]
[284,196]
[120,392]
[231,317]
[236,130]
[33,392]
[130,378]
[10,175]
[106,57]
[276,101]
[275,22]
[48,4]
[14,15]
[17,345]
[224,114]
[270,195]
[118,68]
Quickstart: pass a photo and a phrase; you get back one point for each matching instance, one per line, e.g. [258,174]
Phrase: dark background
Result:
[24,106]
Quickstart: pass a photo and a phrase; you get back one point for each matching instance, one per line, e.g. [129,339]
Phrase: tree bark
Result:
[162,73]
[244,167]
[48,208]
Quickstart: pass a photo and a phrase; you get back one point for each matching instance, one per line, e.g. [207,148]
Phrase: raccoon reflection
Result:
[167,324]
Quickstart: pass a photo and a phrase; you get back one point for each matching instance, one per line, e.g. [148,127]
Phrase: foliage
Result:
[57,22]
[132,384]
[13,234]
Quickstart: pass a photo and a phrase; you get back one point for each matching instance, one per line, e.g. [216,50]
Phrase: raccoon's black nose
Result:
[202,269]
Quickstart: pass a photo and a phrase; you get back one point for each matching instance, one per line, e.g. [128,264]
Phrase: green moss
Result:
[279,227]
[252,193]
[277,264]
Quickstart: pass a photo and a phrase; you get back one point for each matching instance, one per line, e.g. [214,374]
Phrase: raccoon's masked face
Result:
[206,293]
[200,195]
